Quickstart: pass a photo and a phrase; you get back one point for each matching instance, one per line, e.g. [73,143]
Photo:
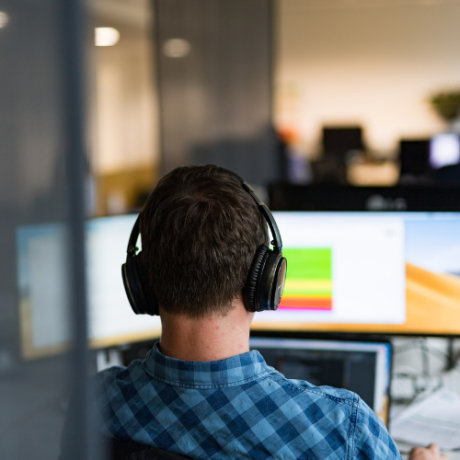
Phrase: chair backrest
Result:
[135,451]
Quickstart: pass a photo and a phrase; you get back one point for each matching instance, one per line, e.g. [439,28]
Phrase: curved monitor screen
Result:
[369,272]
[45,326]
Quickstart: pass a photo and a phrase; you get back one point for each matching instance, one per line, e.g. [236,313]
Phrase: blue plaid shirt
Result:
[235,408]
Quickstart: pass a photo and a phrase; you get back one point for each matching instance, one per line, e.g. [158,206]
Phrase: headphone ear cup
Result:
[252,281]
[151,303]
[271,282]
[132,285]
[140,296]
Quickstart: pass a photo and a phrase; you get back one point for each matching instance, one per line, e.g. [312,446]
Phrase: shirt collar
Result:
[226,372]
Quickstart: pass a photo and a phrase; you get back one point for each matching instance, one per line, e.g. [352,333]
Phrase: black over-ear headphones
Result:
[264,285]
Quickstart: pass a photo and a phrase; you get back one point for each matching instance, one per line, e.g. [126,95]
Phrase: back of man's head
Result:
[200,230]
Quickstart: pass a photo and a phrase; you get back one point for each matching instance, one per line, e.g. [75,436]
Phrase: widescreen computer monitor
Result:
[341,139]
[369,272]
[364,272]
[359,366]
[45,326]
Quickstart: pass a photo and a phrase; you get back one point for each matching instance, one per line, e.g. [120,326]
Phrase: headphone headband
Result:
[277,241]
[132,248]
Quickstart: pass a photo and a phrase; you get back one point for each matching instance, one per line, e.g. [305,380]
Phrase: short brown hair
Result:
[200,230]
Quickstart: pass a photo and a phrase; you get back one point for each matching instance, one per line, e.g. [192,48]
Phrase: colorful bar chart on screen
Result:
[308,283]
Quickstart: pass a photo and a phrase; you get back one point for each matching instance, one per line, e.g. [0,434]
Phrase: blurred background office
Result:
[325,105]
[343,92]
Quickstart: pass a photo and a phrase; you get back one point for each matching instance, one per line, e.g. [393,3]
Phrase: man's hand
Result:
[430,453]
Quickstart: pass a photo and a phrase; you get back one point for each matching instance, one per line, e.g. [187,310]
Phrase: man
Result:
[200,391]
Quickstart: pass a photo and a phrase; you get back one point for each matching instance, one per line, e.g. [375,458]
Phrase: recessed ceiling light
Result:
[176,48]
[106,36]
[4,19]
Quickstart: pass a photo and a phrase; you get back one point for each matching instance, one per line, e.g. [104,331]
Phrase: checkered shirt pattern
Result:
[235,408]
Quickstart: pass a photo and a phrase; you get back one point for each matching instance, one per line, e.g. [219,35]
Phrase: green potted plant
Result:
[447,105]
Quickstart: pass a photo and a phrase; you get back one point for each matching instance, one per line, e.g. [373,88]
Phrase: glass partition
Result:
[42,289]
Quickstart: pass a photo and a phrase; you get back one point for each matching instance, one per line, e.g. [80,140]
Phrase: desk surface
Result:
[404,448]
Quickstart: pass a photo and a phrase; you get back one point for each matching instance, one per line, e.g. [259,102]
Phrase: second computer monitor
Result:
[379,272]
[341,139]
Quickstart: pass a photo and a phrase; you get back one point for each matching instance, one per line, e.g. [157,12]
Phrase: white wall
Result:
[127,119]
[369,62]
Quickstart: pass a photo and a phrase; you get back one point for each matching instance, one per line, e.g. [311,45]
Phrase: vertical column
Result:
[215,79]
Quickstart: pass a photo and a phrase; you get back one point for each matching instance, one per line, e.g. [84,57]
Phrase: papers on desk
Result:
[433,418]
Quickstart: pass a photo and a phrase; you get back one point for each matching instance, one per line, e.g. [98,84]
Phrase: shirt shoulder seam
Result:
[351,435]
[320,393]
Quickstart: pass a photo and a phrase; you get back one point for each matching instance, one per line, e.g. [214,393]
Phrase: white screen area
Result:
[42,283]
[110,314]
[444,150]
[43,288]
[367,266]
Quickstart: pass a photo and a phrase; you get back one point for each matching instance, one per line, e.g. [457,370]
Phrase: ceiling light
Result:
[176,48]
[4,19]
[106,36]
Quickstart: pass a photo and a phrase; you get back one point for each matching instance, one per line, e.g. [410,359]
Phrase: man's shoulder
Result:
[119,378]
[343,414]
[338,394]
